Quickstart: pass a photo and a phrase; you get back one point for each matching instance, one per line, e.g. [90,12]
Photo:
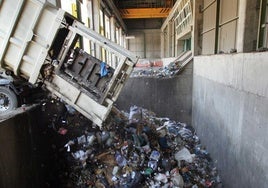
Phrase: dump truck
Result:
[39,43]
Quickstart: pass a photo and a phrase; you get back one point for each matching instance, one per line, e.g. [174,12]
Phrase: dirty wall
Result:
[230,107]
[27,154]
[170,97]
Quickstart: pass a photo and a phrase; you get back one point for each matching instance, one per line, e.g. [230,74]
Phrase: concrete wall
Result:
[27,154]
[169,97]
[230,107]
[146,43]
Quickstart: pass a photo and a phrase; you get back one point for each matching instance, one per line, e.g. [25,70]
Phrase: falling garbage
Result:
[135,149]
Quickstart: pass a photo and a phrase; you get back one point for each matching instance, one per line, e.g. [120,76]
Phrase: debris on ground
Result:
[163,72]
[159,70]
[135,149]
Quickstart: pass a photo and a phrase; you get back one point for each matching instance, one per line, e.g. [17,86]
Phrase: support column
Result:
[112,24]
[196,42]
[121,42]
[125,41]
[241,26]
[144,45]
[176,54]
[162,46]
[172,38]
[170,32]
[96,24]
[90,24]
[168,41]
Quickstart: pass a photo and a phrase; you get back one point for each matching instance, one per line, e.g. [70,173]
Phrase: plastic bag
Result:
[161,177]
[185,155]
[135,114]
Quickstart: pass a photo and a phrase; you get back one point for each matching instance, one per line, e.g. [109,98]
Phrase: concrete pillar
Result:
[144,45]
[176,47]
[96,24]
[196,43]
[121,41]
[125,41]
[241,26]
[173,38]
[112,24]
[90,17]
[162,45]
[168,41]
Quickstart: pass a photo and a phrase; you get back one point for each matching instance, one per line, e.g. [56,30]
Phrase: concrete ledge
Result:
[16,112]
[242,71]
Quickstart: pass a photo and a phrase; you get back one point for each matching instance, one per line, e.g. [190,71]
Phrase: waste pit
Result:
[135,149]
[132,149]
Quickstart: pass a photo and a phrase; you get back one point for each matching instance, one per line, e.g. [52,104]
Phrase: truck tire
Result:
[8,100]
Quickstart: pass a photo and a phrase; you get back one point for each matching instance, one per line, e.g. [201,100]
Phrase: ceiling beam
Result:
[132,13]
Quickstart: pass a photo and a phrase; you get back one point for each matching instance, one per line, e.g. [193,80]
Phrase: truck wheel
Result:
[8,100]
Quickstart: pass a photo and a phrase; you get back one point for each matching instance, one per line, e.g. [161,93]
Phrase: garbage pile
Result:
[164,72]
[145,72]
[135,149]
